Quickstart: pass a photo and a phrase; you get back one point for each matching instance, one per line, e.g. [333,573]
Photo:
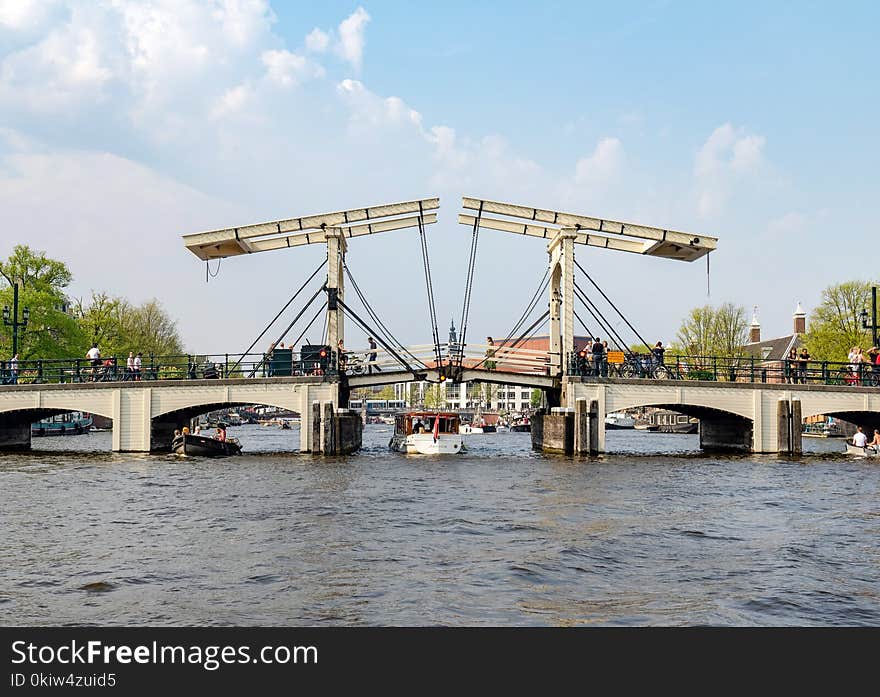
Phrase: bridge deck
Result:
[433,375]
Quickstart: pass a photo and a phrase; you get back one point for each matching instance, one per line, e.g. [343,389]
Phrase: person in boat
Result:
[197,431]
[860,440]
[185,430]
[221,434]
[176,433]
[418,427]
[876,441]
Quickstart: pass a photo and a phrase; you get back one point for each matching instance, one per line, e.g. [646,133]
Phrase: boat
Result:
[524,427]
[73,423]
[191,444]
[469,428]
[414,433]
[619,420]
[668,421]
[867,451]
[645,426]
[823,430]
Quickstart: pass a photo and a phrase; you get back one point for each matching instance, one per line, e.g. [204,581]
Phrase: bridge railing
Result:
[729,369]
[166,367]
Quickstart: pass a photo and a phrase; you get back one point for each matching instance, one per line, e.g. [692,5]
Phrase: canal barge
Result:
[426,433]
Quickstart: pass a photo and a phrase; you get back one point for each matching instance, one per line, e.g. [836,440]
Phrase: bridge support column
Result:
[335,431]
[783,429]
[15,436]
[586,427]
[561,250]
[336,247]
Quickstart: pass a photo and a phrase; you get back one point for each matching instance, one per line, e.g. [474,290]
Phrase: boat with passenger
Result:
[205,446]
[426,433]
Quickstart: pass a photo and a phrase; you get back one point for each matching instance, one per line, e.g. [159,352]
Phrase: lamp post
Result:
[864,316]
[14,323]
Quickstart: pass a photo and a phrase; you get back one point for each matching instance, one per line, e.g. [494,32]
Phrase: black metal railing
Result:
[168,367]
[727,369]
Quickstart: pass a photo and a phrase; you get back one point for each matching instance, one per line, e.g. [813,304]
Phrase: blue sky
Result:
[125,124]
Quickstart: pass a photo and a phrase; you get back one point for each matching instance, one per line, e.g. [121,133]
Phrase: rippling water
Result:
[499,535]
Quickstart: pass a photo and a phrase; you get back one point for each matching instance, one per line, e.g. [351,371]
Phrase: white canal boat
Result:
[426,433]
[618,419]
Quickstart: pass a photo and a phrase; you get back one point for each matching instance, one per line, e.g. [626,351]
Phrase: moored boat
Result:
[426,433]
[619,419]
[71,424]
[191,444]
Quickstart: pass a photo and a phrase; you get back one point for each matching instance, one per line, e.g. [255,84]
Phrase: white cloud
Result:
[792,223]
[727,157]
[602,165]
[351,37]
[231,101]
[317,41]
[288,69]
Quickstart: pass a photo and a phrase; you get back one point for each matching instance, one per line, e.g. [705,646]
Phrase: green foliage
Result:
[51,332]
[386,392]
[710,331]
[834,327]
[59,328]
[435,396]
[536,398]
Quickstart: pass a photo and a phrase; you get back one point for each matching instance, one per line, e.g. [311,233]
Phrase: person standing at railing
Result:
[129,366]
[658,352]
[790,366]
[136,371]
[598,357]
[803,360]
[855,361]
[13,370]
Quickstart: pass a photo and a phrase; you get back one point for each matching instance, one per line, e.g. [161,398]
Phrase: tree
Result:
[435,396]
[710,331]
[386,393]
[117,327]
[536,398]
[834,326]
[51,331]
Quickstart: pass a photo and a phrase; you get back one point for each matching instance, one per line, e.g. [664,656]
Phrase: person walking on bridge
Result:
[371,359]
[13,370]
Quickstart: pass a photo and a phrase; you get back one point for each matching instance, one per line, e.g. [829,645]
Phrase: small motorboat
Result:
[867,451]
[191,444]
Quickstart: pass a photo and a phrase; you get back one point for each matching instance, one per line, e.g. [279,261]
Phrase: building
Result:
[773,352]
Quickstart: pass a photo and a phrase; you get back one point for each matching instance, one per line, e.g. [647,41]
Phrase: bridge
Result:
[740,403]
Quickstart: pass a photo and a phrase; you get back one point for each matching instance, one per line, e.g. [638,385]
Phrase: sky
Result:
[125,124]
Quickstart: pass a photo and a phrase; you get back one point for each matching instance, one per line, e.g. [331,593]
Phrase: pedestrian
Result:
[94,355]
[490,354]
[598,356]
[803,360]
[340,355]
[790,366]
[129,366]
[371,360]
[13,370]
[658,352]
[137,366]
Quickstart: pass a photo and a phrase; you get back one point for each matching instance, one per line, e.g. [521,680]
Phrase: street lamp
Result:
[13,322]
[863,315]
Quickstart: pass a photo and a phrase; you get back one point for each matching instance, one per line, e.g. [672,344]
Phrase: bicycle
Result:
[635,366]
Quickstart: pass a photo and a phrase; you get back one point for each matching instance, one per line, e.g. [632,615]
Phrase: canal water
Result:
[654,533]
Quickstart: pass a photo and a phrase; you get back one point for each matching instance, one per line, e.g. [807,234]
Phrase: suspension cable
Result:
[604,324]
[430,287]
[375,317]
[289,327]
[309,325]
[542,285]
[525,335]
[280,312]
[350,313]
[466,305]
[584,324]
[641,338]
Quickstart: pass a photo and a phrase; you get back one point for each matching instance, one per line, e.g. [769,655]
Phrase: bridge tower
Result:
[564,230]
